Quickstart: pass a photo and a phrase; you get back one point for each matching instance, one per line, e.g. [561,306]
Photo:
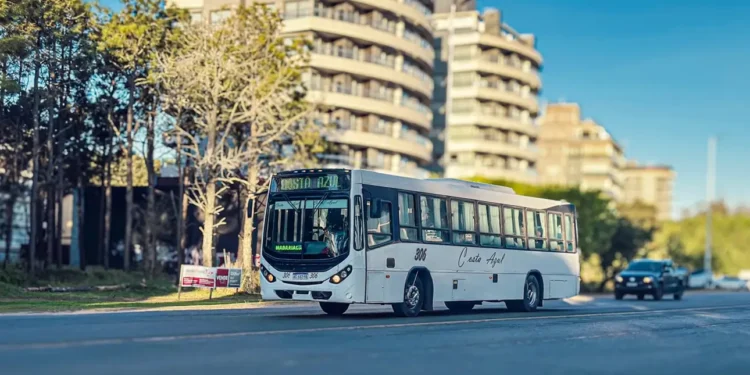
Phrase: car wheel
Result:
[413,299]
[335,309]
[619,295]
[680,291]
[658,293]
[531,297]
[641,296]
[460,306]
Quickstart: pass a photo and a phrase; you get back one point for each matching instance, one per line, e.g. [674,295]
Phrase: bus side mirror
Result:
[375,208]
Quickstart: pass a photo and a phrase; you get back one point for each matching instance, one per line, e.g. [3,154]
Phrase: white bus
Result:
[340,237]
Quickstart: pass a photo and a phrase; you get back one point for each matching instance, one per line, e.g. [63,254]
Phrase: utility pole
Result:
[710,193]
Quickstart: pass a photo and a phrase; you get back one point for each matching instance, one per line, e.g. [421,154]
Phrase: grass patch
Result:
[137,293]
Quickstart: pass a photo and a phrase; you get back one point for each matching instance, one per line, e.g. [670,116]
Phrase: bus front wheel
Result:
[335,309]
[413,299]
[531,297]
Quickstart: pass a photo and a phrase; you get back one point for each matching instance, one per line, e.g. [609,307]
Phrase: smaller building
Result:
[579,152]
[652,185]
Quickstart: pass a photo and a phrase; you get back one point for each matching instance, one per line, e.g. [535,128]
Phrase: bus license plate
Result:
[300,276]
[632,284]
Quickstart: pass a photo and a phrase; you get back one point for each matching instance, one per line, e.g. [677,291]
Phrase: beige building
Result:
[487,126]
[371,68]
[650,184]
[579,152]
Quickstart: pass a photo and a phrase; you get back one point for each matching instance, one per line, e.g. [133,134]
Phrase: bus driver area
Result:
[340,237]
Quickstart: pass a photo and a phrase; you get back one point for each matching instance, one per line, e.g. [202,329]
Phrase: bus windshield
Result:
[308,228]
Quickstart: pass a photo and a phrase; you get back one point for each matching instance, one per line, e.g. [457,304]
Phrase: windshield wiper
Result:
[315,208]
[286,197]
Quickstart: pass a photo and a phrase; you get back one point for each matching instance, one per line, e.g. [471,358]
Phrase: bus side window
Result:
[379,229]
[359,242]
[555,232]
[407,217]
[569,234]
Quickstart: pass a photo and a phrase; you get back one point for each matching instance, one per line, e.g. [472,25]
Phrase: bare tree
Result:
[243,83]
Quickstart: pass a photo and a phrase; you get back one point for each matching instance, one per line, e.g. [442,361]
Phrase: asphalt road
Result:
[704,333]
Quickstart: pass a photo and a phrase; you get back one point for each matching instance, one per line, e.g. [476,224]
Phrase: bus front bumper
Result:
[323,292]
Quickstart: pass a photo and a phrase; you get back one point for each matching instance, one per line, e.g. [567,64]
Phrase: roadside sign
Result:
[209,277]
[198,277]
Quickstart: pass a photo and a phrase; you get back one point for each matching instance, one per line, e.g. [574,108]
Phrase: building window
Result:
[219,16]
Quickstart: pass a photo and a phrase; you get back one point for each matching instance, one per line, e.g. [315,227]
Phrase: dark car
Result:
[647,276]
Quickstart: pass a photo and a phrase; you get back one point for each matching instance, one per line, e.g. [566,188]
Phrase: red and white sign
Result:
[198,277]
[222,277]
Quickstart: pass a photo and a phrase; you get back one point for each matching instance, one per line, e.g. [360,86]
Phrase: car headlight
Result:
[618,278]
[647,280]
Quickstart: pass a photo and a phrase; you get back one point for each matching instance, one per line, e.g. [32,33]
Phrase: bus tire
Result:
[413,298]
[335,309]
[459,307]
[531,296]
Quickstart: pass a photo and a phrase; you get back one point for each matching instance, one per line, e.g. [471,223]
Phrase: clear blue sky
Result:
[661,76]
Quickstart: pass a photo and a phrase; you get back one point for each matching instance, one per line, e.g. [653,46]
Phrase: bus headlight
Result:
[342,275]
[267,275]
[647,280]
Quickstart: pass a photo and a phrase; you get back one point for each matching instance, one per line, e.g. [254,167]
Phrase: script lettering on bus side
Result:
[464,258]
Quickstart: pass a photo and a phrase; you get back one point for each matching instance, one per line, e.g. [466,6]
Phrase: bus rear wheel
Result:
[531,297]
[335,309]
[413,299]
[459,306]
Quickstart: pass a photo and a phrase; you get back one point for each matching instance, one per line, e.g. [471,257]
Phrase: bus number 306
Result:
[421,254]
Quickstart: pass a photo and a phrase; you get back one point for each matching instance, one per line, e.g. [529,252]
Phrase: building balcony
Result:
[363,104]
[494,147]
[498,95]
[500,69]
[494,121]
[347,63]
[326,21]
[500,42]
[363,139]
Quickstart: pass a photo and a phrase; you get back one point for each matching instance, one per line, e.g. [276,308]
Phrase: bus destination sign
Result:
[324,182]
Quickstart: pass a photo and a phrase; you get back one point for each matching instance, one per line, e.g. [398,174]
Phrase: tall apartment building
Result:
[487,127]
[579,152]
[371,68]
[650,184]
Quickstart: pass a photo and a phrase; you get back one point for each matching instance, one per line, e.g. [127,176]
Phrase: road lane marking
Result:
[207,336]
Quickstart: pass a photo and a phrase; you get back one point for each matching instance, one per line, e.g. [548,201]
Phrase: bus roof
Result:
[455,188]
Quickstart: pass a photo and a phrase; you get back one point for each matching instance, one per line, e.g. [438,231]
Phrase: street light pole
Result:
[710,192]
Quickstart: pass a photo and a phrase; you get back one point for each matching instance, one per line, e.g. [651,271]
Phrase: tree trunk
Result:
[108,205]
[182,204]
[35,168]
[9,214]
[102,203]
[129,161]
[51,160]
[151,205]
[59,204]
[208,224]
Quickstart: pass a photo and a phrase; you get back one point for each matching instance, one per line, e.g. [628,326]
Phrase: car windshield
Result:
[308,228]
[645,266]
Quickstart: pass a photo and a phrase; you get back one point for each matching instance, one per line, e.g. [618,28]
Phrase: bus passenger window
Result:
[555,232]
[463,223]
[407,219]
[489,226]
[514,228]
[569,235]
[434,219]
[536,230]
[379,228]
